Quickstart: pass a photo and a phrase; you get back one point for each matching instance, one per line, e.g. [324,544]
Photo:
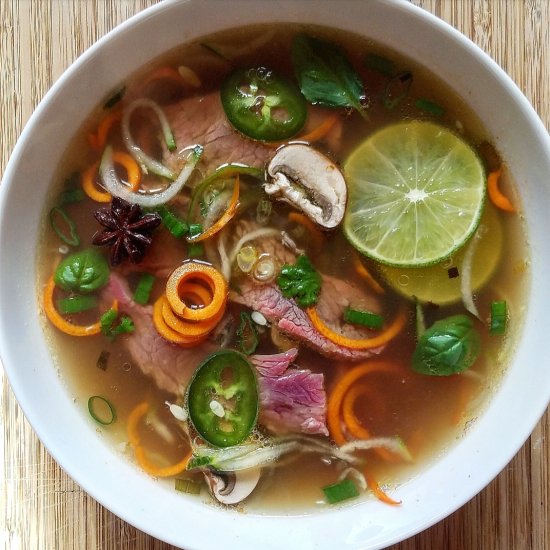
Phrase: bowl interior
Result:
[71,438]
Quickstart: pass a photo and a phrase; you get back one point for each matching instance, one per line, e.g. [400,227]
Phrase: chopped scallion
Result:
[429,107]
[70,196]
[188,486]
[59,216]
[143,288]
[338,492]
[76,304]
[498,317]
[380,64]
[195,250]
[178,228]
[195,229]
[397,89]
[364,318]
[101,410]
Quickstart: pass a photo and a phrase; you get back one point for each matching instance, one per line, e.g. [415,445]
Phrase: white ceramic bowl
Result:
[150,505]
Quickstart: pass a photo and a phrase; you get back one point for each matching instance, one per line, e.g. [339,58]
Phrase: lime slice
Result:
[433,283]
[415,194]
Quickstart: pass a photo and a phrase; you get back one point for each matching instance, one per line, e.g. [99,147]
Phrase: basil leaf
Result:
[83,272]
[325,75]
[448,347]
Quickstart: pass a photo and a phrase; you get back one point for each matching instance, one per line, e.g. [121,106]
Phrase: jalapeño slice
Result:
[222,399]
[262,105]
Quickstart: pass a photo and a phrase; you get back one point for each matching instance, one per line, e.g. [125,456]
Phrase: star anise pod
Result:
[127,230]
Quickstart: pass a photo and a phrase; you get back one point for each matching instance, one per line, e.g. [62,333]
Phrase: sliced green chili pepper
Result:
[262,105]
[73,239]
[498,317]
[222,399]
[380,64]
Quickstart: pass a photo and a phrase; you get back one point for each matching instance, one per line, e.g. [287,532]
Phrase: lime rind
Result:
[416,191]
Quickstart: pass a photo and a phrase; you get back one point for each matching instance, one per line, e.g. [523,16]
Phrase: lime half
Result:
[415,194]
[437,283]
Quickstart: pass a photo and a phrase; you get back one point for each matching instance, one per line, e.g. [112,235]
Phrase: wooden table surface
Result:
[40,506]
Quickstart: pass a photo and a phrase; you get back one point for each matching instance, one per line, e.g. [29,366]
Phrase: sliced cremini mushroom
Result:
[310,181]
[232,487]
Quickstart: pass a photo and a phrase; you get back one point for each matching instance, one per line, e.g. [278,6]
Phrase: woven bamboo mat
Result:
[40,506]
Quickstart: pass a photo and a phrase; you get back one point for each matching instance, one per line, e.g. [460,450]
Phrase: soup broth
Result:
[413,415]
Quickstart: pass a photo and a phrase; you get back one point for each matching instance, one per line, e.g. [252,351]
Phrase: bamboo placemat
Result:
[40,506]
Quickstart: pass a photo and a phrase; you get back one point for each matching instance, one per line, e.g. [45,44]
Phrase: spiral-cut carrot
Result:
[134,419]
[358,343]
[60,322]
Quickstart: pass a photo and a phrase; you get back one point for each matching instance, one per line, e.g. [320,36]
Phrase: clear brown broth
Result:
[426,412]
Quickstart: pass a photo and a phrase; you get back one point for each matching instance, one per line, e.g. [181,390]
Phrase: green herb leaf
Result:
[448,347]
[247,334]
[325,75]
[83,272]
[300,281]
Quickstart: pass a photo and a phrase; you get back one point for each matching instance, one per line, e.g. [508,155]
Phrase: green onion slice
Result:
[143,289]
[187,486]
[76,304]
[429,107]
[58,217]
[178,228]
[101,410]
[195,250]
[498,317]
[380,64]
[338,492]
[71,196]
[364,318]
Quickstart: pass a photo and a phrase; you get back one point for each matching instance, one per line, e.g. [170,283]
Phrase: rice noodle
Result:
[351,472]
[466,277]
[147,162]
[113,184]
[393,444]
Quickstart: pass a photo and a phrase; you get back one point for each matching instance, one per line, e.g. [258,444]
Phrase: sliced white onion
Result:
[148,163]
[112,183]
[393,444]
[466,277]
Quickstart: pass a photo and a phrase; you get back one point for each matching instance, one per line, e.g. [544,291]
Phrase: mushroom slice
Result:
[232,487]
[310,181]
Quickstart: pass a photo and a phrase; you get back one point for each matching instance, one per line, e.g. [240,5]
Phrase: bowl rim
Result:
[298,532]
